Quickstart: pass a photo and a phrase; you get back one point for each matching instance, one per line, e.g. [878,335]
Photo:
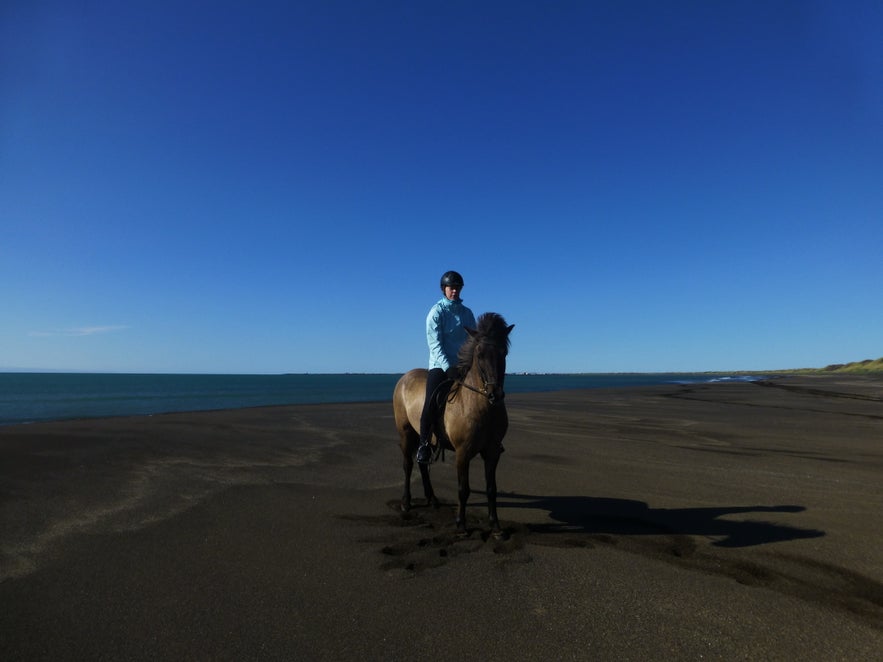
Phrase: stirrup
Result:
[424,453]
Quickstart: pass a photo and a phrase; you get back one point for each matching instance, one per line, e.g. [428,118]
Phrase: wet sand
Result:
[717,521]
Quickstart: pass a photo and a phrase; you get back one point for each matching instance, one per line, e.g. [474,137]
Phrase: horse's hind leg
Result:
[409,442]
[407,445]
[427,486]
[408,466]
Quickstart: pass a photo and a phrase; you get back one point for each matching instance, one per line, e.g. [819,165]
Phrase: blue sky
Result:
[275,187]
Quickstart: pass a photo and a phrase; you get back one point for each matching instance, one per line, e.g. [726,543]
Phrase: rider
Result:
[445,333]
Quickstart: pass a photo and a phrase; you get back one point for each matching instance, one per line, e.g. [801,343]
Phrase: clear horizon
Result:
[508,372]
[277,188]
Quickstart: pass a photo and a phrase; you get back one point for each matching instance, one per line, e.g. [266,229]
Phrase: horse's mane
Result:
[490,328]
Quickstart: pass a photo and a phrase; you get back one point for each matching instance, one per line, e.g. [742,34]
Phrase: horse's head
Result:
[484,354]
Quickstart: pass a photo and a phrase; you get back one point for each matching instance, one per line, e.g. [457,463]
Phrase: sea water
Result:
[32,397]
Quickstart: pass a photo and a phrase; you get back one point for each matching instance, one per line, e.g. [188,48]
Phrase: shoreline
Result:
[180,401]
[32,398]
[722,520]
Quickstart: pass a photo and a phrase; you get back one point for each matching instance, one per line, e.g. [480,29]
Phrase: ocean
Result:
[33,397]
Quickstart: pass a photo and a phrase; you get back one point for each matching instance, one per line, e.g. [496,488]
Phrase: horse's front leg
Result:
[491,458]
[462,489]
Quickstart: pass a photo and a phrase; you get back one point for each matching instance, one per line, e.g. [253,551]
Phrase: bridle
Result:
[487,387]
[486,390]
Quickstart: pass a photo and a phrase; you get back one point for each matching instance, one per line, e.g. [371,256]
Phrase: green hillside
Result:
[866,367]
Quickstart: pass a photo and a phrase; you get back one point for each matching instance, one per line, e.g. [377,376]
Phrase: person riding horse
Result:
[446,326]
[473,422]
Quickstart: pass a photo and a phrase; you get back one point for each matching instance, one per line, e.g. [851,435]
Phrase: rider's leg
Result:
[424,452]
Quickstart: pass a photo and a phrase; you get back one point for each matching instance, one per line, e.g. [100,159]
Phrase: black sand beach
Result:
[714,521]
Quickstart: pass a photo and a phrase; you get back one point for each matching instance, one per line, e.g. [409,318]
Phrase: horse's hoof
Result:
[498,534]
[406,506]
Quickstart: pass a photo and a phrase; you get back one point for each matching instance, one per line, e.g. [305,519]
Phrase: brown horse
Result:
[474,419]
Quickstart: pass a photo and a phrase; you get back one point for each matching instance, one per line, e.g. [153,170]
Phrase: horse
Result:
[474,420]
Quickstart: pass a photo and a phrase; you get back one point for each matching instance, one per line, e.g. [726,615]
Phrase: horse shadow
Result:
[626,517]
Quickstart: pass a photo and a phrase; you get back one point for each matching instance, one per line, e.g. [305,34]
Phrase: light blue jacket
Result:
[445,331]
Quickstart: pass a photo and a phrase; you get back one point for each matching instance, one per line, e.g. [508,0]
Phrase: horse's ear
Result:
[471,332]
[509,329]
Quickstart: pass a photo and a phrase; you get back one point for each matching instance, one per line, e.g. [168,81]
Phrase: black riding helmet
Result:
[451,279]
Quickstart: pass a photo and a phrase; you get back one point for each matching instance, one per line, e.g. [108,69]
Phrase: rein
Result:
[484,390]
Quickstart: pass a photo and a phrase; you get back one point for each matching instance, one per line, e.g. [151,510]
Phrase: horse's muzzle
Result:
[496,395]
